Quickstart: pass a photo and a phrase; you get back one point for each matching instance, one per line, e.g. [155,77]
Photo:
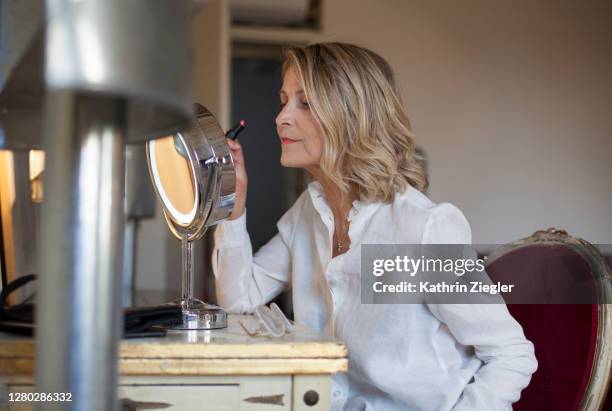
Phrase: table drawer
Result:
[244,393]
[213,393]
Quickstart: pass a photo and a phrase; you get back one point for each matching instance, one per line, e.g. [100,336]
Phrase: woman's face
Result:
[300,135]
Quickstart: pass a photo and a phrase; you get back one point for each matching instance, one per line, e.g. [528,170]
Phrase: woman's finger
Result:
[233,144]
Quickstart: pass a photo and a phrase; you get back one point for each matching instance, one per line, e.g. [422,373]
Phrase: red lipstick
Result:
[285,140]
[234,131]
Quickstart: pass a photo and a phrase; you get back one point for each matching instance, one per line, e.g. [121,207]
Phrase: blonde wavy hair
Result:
[369,149]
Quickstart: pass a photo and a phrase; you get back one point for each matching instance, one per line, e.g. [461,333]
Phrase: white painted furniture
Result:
[205,370]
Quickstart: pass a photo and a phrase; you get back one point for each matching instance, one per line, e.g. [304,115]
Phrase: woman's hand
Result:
[241,178]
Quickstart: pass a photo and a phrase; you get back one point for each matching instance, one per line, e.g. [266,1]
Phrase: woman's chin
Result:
[288,161]
[297,161]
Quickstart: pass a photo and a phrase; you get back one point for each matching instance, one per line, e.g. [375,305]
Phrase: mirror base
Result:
[202,316]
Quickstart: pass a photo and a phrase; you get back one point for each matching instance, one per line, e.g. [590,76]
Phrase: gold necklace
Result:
[340,242]
[339,246]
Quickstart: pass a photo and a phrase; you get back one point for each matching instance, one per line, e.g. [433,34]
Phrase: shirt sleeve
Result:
[243,280]
[498,339]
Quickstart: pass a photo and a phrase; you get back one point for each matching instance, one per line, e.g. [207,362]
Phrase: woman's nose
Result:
[284,117]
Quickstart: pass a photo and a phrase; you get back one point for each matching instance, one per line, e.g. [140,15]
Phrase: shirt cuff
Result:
[231,233]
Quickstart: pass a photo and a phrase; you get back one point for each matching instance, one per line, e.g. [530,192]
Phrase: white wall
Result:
[512,102]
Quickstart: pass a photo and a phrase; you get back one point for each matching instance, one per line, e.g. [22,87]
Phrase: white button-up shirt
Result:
[401,356]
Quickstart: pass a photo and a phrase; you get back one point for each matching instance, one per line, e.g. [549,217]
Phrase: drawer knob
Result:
[311,398]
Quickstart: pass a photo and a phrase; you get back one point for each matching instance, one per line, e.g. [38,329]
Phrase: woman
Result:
[341,119]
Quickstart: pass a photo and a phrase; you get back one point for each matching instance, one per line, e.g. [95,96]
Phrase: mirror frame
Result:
[213,172]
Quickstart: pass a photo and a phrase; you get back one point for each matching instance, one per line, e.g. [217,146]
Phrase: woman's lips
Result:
[285,140]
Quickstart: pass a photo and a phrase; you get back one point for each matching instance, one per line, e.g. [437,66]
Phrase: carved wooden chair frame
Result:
[599,381]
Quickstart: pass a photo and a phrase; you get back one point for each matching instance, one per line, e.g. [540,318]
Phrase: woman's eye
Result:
[305,104]
[281,105]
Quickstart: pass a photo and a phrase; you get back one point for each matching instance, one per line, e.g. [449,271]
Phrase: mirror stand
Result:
[197,315]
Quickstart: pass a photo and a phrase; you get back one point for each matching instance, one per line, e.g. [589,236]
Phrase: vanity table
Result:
[210,370]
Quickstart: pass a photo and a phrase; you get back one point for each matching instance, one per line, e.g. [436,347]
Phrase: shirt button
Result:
[337,394]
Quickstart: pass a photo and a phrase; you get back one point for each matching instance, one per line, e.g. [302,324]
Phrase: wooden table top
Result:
[229,351]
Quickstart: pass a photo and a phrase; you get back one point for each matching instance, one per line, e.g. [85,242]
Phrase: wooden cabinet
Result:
[214,370]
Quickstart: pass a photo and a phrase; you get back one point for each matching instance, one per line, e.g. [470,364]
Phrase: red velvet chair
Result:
[573,342]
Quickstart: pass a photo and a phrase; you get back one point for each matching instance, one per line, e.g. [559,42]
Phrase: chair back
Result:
[573,342]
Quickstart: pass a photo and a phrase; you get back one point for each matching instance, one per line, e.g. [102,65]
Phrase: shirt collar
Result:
[361,210]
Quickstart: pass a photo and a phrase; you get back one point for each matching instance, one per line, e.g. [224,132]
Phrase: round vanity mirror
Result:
[194,179]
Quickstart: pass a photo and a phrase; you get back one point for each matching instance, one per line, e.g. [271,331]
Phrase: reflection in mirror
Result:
[174,178]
